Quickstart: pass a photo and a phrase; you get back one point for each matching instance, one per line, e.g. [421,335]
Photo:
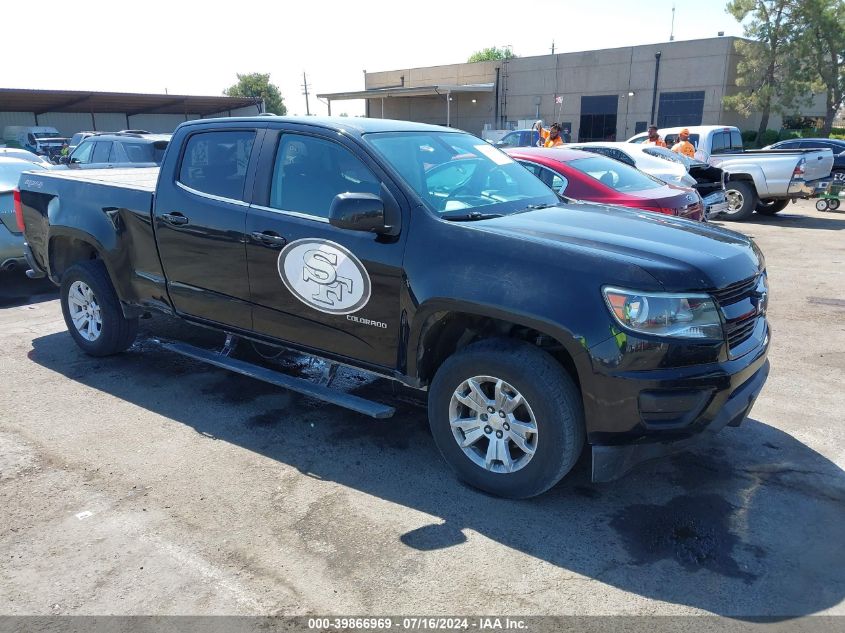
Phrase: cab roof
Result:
[350,125]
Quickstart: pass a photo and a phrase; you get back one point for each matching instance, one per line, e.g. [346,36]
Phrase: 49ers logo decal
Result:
[325,276]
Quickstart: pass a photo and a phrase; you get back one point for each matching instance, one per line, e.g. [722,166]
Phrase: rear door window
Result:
[736,141]
[102,150]
[214,162]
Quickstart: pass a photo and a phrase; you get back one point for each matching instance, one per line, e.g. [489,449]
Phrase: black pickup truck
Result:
[427,256]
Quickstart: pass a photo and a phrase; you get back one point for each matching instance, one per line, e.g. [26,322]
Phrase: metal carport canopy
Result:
[400,91]
[44,101]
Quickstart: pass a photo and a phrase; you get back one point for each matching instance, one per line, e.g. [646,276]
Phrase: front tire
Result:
[771,207]
[506,417]
[92,310]
[742,200]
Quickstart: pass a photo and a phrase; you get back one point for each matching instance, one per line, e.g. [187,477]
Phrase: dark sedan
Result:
[837,146]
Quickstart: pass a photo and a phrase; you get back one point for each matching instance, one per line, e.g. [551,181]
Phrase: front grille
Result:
[738,303]
[735,292]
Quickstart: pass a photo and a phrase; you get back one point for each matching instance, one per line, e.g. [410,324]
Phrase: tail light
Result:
[16,196]
[799,170]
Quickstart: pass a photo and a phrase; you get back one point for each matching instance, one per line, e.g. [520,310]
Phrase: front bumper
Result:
[808,189]
[611,462]
[715,204]
[635,415]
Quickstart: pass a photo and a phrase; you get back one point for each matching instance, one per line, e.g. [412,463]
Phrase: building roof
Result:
[402,91]
[43,101]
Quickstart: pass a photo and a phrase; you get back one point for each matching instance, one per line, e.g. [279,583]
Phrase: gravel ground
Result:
[151,484]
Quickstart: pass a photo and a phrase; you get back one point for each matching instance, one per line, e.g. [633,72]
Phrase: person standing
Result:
[683,146]
[654,138]
[550,137]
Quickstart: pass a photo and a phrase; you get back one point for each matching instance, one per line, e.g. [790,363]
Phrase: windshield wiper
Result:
[535,207]
[471,215]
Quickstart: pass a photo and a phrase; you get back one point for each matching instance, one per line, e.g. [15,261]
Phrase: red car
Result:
[595,178]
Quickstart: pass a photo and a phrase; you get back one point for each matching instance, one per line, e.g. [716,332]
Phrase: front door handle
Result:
[175,218]
[270,239]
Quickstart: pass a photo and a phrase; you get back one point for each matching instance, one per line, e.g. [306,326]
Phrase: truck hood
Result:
[681,255]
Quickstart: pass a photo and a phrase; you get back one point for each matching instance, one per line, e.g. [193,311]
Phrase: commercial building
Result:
[599,95]
[71,111]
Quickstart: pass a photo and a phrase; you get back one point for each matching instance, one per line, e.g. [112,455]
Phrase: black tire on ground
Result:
[743,192]
[833,204]
[770,207]
[822,204]
[546,386]
[117,332]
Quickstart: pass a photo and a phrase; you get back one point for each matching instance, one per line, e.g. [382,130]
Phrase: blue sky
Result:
[190,47]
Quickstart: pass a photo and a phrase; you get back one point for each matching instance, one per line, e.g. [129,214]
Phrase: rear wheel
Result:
[92,310]
[742,200]
[833,204]
[770,207]
[506,417]
[821,204]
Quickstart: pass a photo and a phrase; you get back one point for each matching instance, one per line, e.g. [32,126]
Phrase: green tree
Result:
[491,54]
[769,71]
[258,85]
[822,50]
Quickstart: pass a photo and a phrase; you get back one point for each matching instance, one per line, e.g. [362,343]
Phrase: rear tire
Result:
[742,200]
[92,310]
[533,461]
[833,204]
[821,204]
[770,207]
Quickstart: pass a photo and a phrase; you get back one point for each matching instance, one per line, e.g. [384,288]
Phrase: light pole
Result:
[627,105]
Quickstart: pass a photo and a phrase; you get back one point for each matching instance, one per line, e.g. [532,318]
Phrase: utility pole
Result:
[553,47]
[672,33]
[305,92]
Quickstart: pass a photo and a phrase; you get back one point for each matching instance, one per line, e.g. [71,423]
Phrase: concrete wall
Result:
[707,65]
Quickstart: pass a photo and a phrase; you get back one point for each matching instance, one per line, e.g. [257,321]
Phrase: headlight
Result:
[665,314]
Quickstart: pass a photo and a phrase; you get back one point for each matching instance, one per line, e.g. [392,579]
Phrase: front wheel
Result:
[506,417]
[92,310]
[742,200]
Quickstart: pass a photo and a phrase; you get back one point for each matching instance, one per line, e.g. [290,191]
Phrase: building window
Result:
[598,118]
[680,109]
[640,127]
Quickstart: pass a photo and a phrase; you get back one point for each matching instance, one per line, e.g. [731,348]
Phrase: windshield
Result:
[667,154]
[53,134]
[452,171]
[614,174]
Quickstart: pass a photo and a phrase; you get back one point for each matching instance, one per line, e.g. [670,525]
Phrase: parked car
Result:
[669,167]
[77,138]
[594,178]
[425,255]
[11,237]
[22,154]
[837,146]
[121,149]
[761,180]
[38,139]
[519,138]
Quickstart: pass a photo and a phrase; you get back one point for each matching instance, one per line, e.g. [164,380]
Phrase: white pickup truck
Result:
[761,180]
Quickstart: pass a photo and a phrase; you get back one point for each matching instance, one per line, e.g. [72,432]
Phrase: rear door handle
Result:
[270,239]
[175,218]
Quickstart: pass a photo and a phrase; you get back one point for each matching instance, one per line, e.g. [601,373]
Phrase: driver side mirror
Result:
[360,212]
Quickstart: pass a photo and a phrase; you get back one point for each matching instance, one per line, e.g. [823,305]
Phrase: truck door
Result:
[313,284]
[199,224]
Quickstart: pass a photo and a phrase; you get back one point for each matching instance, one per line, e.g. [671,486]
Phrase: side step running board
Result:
[299,385]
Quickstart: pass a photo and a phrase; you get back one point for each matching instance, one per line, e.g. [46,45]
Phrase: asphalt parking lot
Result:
[147,483]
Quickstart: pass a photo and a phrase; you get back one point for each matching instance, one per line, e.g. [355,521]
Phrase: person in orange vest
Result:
[683,146]
[551,137]
[654,137]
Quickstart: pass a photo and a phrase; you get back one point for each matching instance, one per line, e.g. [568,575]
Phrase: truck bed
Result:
[138,178]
